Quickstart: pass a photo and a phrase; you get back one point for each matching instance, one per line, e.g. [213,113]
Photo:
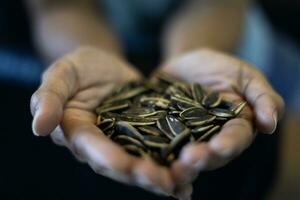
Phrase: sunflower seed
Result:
[150,130]
[178,142]
[163,125]
[156,141]
[184,88]
[109,133]
[220,112]
[133,120]
[183,103]
[106,124]
[99,119]
[197,92]
[226,104]
[237,110]
[208,134]
[201,129]
[211,100]
[205,119]
[155,102]
[125,140]
[126,128]
[127,95]
[134,150]
[193,113]
[158,117]
[112,107]
[176,127]
[140,112]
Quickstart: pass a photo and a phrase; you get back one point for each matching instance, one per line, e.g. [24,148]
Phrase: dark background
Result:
[33,167]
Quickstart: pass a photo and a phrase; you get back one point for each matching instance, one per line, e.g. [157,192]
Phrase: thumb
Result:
[268,105]
[47,103]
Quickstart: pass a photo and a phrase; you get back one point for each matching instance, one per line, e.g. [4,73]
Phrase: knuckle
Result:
[277,102]
[84,50]
[261,96]
[63,64]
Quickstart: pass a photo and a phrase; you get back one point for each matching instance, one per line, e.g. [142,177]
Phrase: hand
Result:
[64,104]
[235,80]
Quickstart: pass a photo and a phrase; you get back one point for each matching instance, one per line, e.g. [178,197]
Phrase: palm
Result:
[86,141]
[72,89]
[88,76]
[216,71]
[76,84]
[236,81]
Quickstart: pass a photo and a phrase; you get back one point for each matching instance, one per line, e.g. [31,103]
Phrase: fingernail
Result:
[34,122]
[143,181]
[35,133]
[199,165]
[275,121]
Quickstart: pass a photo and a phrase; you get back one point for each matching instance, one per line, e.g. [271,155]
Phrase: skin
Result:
[74,85]
[197,25]
[60,26]
[64,104]
[236,81]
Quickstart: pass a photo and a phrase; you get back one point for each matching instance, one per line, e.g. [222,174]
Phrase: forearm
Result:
[215,24]
[61,27]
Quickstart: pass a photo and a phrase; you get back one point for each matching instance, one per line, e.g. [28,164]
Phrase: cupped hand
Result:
[237,81]
[64,104]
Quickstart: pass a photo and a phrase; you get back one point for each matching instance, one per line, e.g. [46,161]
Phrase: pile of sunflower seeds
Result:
[157,117]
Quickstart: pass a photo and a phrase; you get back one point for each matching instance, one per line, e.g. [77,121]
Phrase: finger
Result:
[58,84]
[108,158]
[235,136]
[152,177]
[183,174]
[184,192]
[58,137]
[192,159]
[268,105]
[88,142]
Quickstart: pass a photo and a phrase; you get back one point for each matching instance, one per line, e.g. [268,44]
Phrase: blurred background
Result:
[270,39]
